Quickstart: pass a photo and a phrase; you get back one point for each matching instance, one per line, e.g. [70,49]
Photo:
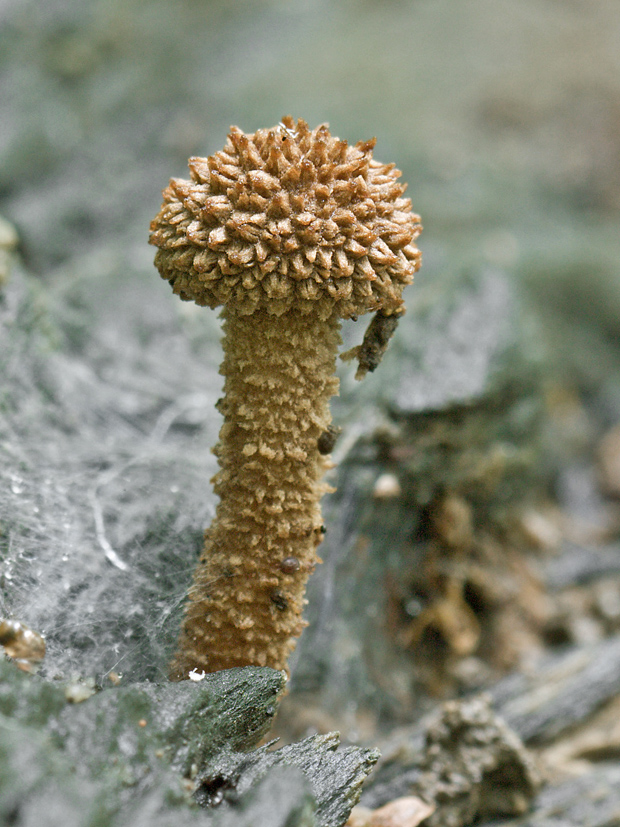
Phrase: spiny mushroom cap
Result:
[288,217]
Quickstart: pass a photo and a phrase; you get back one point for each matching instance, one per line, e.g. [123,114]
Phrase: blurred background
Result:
[504,118]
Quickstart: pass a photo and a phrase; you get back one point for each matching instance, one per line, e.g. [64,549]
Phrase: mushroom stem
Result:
[245,605]
[289,229]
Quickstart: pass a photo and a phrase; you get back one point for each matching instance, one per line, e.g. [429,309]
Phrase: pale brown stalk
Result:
[290,229]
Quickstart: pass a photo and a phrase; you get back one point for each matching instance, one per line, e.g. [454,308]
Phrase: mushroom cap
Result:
[289,217]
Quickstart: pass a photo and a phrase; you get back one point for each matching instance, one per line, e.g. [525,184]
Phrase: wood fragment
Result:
[408,811]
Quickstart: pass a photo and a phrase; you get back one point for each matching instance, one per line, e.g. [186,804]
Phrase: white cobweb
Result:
[108,386]
[107,391]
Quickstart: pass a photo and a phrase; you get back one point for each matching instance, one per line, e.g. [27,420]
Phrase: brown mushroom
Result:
[290,230]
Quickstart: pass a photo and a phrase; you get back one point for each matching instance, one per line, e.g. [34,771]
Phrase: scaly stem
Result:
[245,604]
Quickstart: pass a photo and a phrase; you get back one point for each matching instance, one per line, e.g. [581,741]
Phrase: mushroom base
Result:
[245,604]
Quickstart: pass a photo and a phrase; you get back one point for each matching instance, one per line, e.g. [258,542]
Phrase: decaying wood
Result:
[589,800]
[578,565]
[562,692]
[565,708]
[467,764]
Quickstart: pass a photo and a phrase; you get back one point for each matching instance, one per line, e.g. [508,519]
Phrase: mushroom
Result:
[289,230]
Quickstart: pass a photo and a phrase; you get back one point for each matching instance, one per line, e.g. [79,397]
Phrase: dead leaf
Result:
[402,812]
